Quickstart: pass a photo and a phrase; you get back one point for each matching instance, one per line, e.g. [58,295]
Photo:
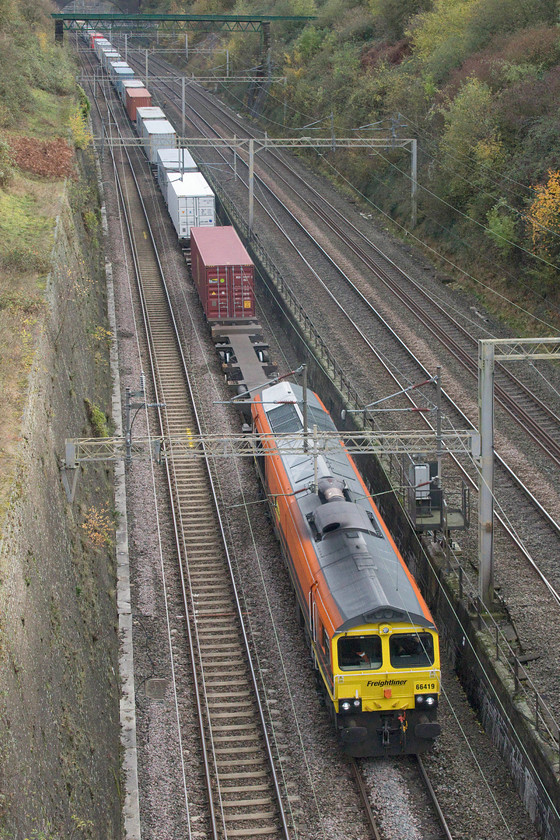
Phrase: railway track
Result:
[243,787]
[536,545]
[440,828]
[209,643]
[547,524]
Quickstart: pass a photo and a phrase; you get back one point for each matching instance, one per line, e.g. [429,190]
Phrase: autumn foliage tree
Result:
[544,218]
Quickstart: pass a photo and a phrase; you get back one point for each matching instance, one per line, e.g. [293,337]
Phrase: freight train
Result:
[222,270]
[373,641]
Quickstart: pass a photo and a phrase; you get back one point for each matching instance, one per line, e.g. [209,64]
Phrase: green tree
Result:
[469,137]
[441,35]
[392,16]
[501,227]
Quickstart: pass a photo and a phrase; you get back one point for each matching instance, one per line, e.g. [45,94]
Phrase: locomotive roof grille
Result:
[287,418]
[284,419]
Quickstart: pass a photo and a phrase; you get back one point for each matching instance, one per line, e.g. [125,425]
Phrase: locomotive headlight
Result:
[423,701]
[353,704]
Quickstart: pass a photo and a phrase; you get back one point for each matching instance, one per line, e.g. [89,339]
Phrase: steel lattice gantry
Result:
[490,351]
[250,444]
[139,23]
[194,445]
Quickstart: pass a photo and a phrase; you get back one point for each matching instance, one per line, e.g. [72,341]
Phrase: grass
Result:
[28,209]
[49,114]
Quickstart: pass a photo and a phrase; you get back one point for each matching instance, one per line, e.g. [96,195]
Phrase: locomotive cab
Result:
[386,689]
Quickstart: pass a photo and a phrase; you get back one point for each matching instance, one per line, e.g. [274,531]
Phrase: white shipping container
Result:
[147,112]
[108,57]
[120,74]
[190,202]
[100,43]
[173,160]
[118,65]
[157,134]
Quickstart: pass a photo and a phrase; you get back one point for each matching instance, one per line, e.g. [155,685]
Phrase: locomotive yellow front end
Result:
[386,684]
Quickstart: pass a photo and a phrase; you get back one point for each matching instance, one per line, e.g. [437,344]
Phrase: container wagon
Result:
[150,112]
[157,134]
[93,37]
[99,45]
[130,84]
[108,57]
[135,97]
[119,75]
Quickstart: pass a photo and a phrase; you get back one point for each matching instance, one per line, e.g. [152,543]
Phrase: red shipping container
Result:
[137,98]
[223,273]
[93,37]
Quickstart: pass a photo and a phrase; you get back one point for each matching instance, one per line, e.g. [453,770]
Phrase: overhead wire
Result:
[435,252]
[493,196]
[467,217]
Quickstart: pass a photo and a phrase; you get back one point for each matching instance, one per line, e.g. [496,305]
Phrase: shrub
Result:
[440,36]
[309,43]
[469,132]
[6,163]
[520,105]
[79,129]
[392,16]
[501,226]
[97,419]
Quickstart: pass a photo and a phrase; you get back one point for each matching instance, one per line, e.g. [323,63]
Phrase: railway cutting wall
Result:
[59,691]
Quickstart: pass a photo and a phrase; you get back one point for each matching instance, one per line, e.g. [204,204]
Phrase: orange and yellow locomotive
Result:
[373,639]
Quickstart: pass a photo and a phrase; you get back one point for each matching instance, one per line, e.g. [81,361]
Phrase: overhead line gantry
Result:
[144,23]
